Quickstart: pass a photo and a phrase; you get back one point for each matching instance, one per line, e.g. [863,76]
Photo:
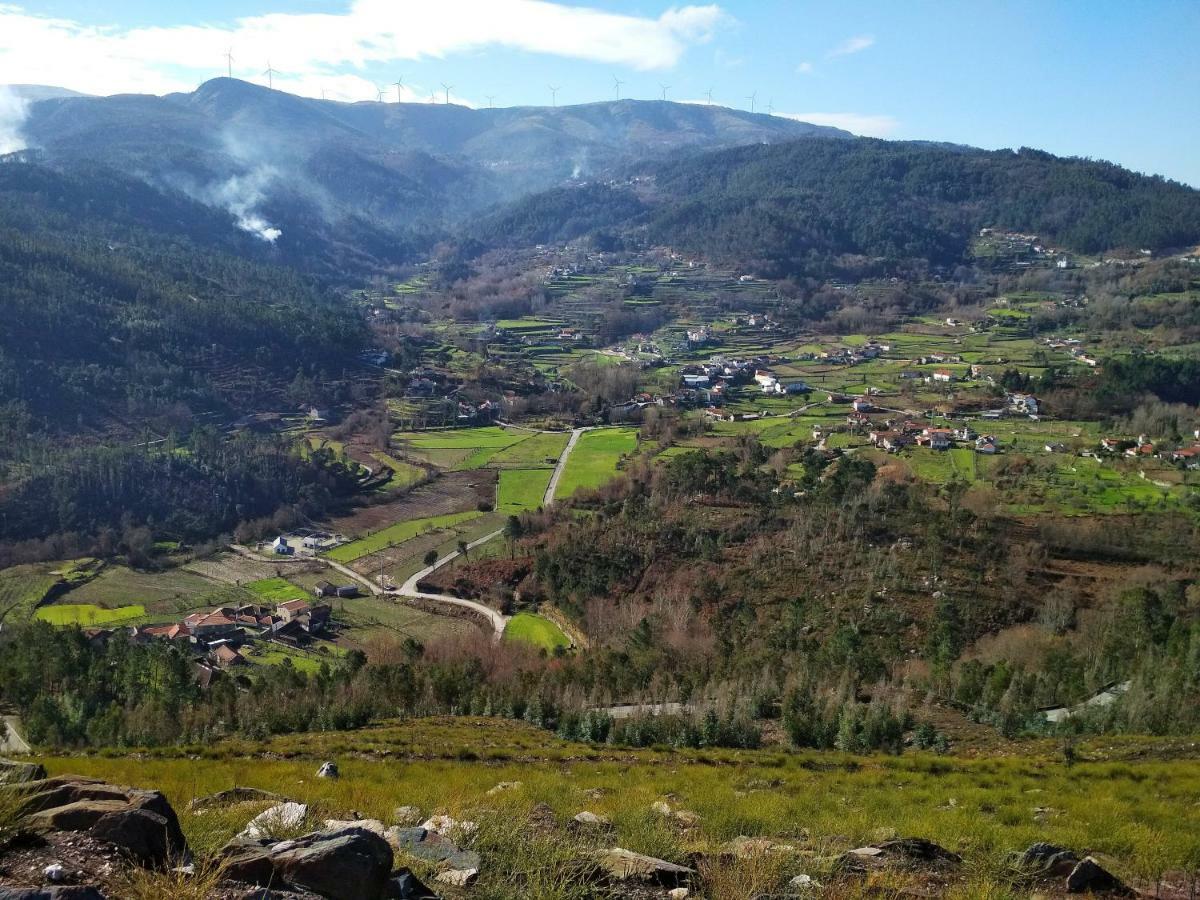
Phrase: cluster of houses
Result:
[1188,456]
[849,356]
[1075,347]
[713,379]
[894,435]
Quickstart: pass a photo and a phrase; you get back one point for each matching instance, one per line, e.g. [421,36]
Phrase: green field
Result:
[87,614]
[521,489]
[22,588]
[404,474]
[397,534]
[540,632]
[276,590]
[594,459]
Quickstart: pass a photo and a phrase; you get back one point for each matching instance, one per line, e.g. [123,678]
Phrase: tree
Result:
[513,529]
[431,557]
[463,548]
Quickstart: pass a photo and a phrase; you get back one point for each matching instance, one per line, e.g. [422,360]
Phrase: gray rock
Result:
[328,770]
[232,796]
[64,892]
[1049,859]
[370,824]
[407,816]
[459,878]
[348,864]
[903,853]
[13,772]
[139,833]
[78,816]
[432,847]
[504,786]
[1088,875]
[270,822]
[404,885]
[591,820]
[625,865]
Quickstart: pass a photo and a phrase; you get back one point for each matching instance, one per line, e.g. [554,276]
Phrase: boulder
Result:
[347,864]
[804,883]
[902,853]
[63,892]
[13,772]
[404,885]
[373,825]
[328,770]
[78,816]
[679,893]
[287,816]
[588,819]
[140,833]
[1088,875]
[233,796]
[432,847]
[1049,859]
[406,816]
[450,826]
[459,878]
[625,865]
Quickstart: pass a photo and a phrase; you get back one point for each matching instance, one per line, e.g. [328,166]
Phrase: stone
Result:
[1089,875]
[459,878]
[14,772]
[450,826]
[504,786]
[804,883]
[679,893]
[78,816]
[661,807]
[54,873]
[373,825]
[139,833]
[348,864]
[1049,859]
[281,817]
[232,796]
[328,770]
[58,892]
[625,865]
[406,816]
[591,820]
[902,853]
[404,885]
[432,846]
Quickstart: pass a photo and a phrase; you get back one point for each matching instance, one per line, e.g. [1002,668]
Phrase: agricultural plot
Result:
[88,615]
[404,474]
[397,534]
[532,629]
[168,591]
[367,618]
[521,489]
[22,588]
[275,590]
[595,459]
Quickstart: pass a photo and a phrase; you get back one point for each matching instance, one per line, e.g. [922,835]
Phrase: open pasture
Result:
[595,459]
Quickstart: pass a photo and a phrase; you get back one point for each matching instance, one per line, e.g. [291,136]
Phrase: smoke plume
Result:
[13,110]
[241,195]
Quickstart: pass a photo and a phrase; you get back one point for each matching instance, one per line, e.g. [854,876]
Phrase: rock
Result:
[804,883]
[232,796]
[1088,875]
[744,847]
[625,865]
[661,807]
[433,847]
[503,787]
[281,817]
[373,825]
[591,820]
[78,816]
[450,827]
[904,853]
[1049,859]
[13,772]
[328,770]
[679,893]
[406,816]
[404,885]
[457,877]
[348,864]
[73,892]
[140,833]
[54,873]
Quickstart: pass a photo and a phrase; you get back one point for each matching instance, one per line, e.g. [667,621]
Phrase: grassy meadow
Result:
[397,534]
[1140,817]
[595,459]
[536,630]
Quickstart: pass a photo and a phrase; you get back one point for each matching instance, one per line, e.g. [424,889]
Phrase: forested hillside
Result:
[793,208]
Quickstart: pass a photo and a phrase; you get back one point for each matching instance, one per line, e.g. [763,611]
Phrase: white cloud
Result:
[804,68]
[852,45]
[857,123]
[311,50]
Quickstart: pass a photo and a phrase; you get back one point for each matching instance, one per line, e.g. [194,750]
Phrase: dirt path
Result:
[409,588]
[561,466]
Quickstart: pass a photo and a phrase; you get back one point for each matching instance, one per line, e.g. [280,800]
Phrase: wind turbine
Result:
[490,99]
[665,88]
[752,98]
[229,62]
[270,73]
[770,107]
[708,94]
[553,94]
[379,92]
[447,89]
[399,82]
[617,82]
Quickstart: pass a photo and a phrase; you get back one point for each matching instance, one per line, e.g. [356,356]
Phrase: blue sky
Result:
[1101,78]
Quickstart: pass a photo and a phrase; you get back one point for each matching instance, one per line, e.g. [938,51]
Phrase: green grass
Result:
[404,474]
[87,614]
[396,534]
[594,459]
[276,590]
[1139,815]
[22,588]
[521,489]
[536,630]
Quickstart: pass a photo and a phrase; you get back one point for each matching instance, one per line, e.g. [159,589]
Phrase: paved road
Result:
[561,466]
[409,588]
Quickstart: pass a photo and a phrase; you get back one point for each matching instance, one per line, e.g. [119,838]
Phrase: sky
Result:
[1107,79]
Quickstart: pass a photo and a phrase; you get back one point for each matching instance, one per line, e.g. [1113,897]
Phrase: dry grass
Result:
[199,881]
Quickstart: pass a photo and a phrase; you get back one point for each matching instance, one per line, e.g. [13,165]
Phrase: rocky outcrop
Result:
[620,864]
[234,796]
[346,864]
[432,846]
[902,853]
[13,772]
[141,824]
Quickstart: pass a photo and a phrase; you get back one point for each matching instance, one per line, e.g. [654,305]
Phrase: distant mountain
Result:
[794,207]
[281,163]
[35,92]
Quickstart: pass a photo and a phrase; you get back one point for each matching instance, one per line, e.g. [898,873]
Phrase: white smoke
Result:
[13,110]
[241,194]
